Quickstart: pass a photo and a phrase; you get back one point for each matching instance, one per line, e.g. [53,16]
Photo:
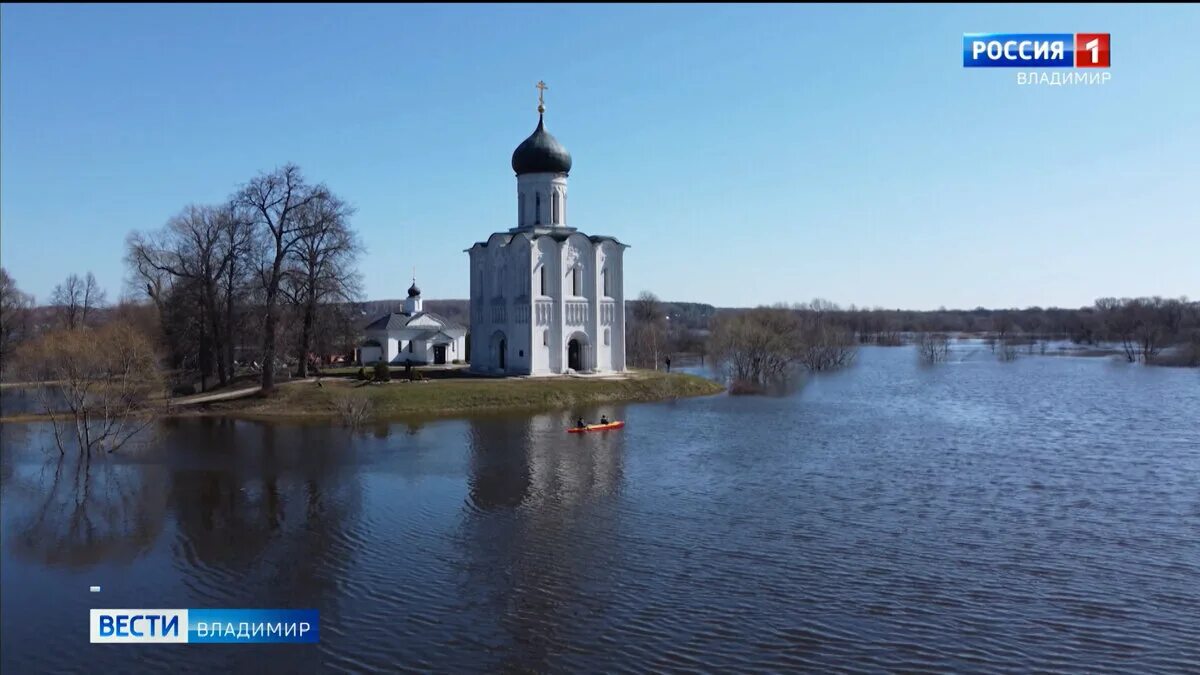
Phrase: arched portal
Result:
[499,350]
[579,352]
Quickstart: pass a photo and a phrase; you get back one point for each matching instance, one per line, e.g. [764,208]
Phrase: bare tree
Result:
[933,347]
[647,330]
[93,297]
[107,379]
[75,298]
[826,341]
[273,203]
[192,250]
[1120,324]
[1003,325]
[243,249]
[67,299]
[756,346]
[1154,321]
[15,307]
[321,266]
[1008,350]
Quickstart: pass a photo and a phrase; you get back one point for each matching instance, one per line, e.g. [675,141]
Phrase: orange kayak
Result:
[596,427]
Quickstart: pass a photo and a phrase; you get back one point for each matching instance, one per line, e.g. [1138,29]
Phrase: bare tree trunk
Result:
[229,331]
[214,325]
[268,366]
[310,311]
[204,360]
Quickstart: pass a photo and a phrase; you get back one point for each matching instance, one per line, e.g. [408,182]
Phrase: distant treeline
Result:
[202,287]
[1143,329]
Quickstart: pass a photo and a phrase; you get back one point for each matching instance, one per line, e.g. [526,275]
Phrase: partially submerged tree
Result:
[933,347]
[757,346]
[100,384]
[826,342]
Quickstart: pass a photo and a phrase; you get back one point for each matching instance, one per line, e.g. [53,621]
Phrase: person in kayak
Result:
[604,419]
[579,424]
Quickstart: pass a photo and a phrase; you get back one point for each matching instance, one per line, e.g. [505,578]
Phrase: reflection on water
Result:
[30,400]
[1034,515]
[81,513]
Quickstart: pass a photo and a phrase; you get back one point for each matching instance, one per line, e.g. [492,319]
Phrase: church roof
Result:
[400,321]
[559,234]
[541,153]
[433,333]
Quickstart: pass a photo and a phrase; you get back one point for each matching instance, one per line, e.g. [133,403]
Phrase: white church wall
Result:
[546,336]
[480,325]
[517,294]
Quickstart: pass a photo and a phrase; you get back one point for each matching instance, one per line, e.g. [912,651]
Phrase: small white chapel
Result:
[413,335]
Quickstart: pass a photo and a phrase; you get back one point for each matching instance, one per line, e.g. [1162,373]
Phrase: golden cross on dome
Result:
[541,101]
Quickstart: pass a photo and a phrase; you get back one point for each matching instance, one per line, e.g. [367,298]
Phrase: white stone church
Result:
[546,298]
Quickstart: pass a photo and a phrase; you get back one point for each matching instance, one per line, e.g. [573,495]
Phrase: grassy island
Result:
[458,395]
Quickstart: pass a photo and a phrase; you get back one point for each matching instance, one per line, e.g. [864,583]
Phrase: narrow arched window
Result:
[546,338]
[604,277]
[542,280]
[521,210]
[576,281]
[537,214]
[556,205]
[606,336]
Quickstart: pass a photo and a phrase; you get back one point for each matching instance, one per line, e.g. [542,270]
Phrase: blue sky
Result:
[748,154]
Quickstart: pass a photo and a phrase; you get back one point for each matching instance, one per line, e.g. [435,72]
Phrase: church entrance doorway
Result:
[439,354]
[499,350]
[574,355]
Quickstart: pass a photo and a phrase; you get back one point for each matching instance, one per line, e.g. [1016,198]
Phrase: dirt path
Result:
[231,395]
[215,396]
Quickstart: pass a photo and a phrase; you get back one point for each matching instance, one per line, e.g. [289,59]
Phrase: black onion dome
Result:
[413,291]
[541,153]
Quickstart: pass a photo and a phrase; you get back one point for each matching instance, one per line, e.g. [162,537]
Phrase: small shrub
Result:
[352,407]
[382,372]
[933,347]
[362,374]
[1008,351]
[415,376]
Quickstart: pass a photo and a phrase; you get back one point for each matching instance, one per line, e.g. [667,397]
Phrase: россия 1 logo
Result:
[1036,50]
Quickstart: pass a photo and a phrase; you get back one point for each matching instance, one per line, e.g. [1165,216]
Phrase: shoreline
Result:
[401,400]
